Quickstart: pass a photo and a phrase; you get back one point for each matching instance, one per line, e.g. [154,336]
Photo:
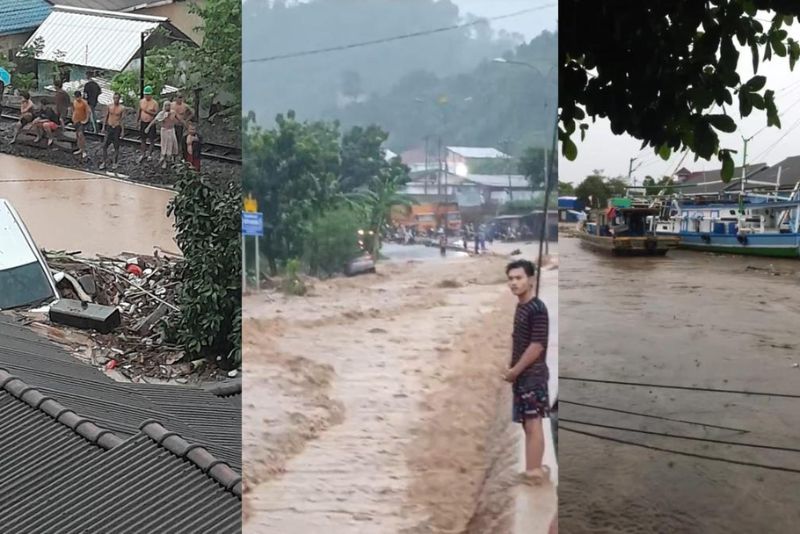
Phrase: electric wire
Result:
[685,388]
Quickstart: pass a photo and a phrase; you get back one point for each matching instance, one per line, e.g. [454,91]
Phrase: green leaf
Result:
[757,100]
[745,105]
[756,83]
[727,166]
[722,123]
[569,150]
[664,151]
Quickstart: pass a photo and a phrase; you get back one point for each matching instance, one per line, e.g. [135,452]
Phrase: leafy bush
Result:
[292,282]
[332,241]
[208,223]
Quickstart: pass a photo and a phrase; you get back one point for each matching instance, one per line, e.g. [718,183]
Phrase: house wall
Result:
[12,43]
[178,14]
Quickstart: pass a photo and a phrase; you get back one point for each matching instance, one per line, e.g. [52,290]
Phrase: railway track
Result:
[213,151]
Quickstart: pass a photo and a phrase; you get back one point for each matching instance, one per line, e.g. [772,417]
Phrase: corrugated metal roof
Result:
[499,180]
[473,152]
[97,39]
[18,16]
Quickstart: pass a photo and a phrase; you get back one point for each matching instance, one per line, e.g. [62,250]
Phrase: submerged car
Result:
[25,279]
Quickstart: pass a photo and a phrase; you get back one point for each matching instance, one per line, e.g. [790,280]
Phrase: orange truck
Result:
[430,216]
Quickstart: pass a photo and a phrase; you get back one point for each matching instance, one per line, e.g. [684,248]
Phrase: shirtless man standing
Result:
[148,109]
[184,114]
[114,128]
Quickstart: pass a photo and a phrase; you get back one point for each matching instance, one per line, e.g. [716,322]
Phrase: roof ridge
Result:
[82,426]
[217,469]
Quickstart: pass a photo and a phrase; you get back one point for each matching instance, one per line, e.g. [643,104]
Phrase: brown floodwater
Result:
[72,210]
[689,319]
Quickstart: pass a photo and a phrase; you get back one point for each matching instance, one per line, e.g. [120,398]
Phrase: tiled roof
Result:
[192,412]
[710,182]
[61,473]
[18,16]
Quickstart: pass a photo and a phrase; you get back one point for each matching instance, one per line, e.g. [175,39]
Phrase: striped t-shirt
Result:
[531,325]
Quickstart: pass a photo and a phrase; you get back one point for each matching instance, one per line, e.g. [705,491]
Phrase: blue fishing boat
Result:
[757,225]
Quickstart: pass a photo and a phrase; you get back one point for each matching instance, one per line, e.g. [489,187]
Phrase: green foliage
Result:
[600,188]
[332,241]
[531,165]
[659,80]
[652,187]
[377,200]
[216,66]
[207,223]
[293,171]
[292,283]
[300,171]
[25,82]
[566,189]
[161,68]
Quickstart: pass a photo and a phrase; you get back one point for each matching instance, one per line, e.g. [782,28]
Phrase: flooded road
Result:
[395,252]
[375,404]
[688,319]
[73,210]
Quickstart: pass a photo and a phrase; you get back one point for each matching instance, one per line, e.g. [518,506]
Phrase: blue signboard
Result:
[252,224]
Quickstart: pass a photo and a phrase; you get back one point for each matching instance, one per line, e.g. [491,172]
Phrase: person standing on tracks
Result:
[169,143]
[194,145]
[528,372]
[114,130]
[80,117]
[62,103]
[92,91]
[148,109]
[184,114]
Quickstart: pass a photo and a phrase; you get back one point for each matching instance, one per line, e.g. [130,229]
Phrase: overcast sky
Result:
[603,150]
[530,24]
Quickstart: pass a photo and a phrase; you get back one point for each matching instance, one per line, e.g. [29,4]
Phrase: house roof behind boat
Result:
[471,152]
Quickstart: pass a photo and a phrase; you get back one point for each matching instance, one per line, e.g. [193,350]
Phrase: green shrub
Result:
[208,224]
[332,241]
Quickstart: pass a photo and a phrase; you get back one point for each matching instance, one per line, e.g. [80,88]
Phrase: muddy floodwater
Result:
[689,319]
[73,210]
[375,404]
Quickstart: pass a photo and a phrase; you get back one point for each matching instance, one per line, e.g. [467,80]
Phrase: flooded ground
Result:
[375,405]
[73,210]
[689,319]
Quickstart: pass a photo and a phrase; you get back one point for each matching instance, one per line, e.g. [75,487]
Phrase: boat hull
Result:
[767,245]
[629,246]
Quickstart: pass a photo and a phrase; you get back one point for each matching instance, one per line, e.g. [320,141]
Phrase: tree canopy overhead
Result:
[666,72]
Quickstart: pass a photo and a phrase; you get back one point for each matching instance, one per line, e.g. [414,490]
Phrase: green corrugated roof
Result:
[17,16]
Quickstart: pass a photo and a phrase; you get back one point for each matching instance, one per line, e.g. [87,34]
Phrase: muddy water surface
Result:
[688,319]
[73,210]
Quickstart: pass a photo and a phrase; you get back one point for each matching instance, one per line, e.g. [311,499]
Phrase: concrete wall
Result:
[179,16]
[13,43]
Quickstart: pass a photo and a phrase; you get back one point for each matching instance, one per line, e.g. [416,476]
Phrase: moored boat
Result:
[624,229]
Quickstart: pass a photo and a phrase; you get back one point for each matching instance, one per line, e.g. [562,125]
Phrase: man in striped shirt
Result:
[528,371]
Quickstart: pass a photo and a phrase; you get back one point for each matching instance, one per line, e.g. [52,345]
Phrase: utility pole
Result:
[427,177]
[631,168]
[744,164]
[141,65]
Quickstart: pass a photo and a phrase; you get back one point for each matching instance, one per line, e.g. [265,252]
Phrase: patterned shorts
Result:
[531,402]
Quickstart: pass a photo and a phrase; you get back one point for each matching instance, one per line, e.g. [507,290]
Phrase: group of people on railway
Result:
[172,120]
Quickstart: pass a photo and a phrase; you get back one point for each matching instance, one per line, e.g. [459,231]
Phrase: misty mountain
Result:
[314,85]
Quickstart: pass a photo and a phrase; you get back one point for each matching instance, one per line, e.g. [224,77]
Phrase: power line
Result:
[769,149]
[678,436]
[680,453]
[660,417]
[396,37]
[686,388]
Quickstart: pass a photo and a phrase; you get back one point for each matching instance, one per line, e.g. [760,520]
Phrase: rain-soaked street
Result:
[72,210]
[689,319]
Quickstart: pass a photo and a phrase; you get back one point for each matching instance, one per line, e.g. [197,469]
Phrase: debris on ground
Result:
[145,296]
